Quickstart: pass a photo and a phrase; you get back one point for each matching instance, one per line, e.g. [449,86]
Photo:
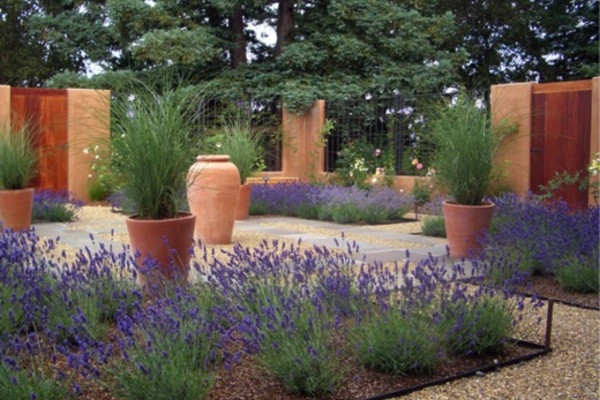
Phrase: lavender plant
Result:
[391,342]
[434,226]
[299,313]
[340,204]
[55,206]
[544,238]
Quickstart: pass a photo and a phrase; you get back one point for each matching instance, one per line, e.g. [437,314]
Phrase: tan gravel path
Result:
[348,234]
[571,371]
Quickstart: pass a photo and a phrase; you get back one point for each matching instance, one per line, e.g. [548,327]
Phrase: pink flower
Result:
[377,152]
[419,166]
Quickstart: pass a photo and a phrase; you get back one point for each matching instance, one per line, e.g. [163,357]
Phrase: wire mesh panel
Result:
[396,126]
[265,116]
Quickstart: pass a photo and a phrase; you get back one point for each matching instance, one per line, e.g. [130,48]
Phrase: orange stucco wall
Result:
[513,101]
[89,125]
[4,106]
[303,154]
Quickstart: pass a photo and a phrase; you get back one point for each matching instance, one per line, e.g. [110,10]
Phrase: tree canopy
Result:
[329,49]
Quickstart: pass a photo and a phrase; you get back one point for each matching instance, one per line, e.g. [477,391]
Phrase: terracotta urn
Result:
[243,207]
[213,193]
[464,226]
[162,247]
[15,208]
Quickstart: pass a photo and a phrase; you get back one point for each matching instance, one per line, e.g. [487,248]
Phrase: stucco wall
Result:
[302,156]
[513,102]
[89,124]
[4,106]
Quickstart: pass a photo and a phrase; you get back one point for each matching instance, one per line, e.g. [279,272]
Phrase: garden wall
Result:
[65,122]
[558,131]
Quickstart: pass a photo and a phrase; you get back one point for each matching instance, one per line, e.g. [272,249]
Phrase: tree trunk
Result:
[285,24]
[236,24]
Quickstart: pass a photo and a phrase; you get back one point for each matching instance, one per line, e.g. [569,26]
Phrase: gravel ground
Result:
[571,371]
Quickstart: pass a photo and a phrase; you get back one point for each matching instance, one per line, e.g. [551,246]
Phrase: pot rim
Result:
[181,215]
[216,157]
[484,204]
[17,190]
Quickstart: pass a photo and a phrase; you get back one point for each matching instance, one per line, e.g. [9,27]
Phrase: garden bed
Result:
[249,381]
[546,287]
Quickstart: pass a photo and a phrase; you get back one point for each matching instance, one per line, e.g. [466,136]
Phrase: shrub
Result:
[54,206]
[394,343]
[581,276]
[434,226]
[297,348]
[97,191]
[476,327]
[27,385]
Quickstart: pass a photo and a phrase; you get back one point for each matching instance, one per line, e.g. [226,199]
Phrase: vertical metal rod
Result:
[398,134]
[549,324]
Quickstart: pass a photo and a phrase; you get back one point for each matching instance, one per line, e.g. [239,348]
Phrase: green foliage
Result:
[30,383]
[304,359]
[581,276]
[17,158]
[153,376]
[421,192]
[242,143]
[97,191]
[465,145]
[581,179]
[58,212]
[434,226]
[393,343]
[361,160]
[476,328]
[154,148]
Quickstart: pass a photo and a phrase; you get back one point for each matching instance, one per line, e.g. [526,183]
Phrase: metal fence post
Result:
[398,136]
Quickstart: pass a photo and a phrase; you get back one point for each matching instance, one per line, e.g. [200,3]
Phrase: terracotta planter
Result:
[15,208]
[464,224]
[167,241]
[213,193]
[243,207]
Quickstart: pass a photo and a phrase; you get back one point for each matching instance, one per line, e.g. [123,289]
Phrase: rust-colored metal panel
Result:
[561,124]
[45,111]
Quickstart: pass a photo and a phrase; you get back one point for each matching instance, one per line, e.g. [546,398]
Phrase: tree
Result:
[28,56]
[508,41]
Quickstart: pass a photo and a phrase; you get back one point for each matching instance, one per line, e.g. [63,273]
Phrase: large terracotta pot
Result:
[15,208]
[464,225]
[243,207]
[213,193]
[167,241]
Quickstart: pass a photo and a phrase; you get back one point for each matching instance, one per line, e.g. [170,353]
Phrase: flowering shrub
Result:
[336,203]
[365,165]
[538,237]
[54,206]
[293,311]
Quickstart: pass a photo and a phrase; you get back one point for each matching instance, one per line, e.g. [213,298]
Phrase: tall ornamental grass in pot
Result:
[465,143]
[152,137]
[243,144]
[18,161]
